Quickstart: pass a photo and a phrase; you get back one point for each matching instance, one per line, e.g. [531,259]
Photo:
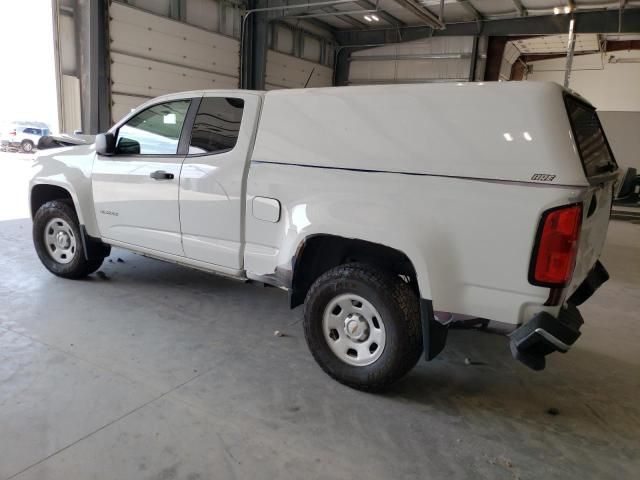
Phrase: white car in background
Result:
[23,137]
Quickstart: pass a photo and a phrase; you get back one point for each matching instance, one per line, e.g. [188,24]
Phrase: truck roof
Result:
[382,89]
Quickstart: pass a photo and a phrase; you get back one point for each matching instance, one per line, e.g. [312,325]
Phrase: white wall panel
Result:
[609,86]
[67,39]
[203,13]
[285,71]
[161,7]
[284,39]
[231,25]
[312,49]
[71,112]
[622,133]
[152,55]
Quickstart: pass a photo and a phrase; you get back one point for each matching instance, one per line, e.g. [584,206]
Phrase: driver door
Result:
[136,190]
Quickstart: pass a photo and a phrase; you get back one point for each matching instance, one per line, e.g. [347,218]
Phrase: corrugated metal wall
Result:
[438,59]
[153,55]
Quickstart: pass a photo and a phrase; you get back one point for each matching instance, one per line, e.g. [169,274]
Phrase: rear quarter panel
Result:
[470,241]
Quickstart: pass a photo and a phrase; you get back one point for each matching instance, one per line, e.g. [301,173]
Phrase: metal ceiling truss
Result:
[466,4]
[520,8]
[421,12]
[586,22]
[387,17]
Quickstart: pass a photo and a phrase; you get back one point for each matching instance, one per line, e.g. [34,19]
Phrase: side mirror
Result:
[105,144]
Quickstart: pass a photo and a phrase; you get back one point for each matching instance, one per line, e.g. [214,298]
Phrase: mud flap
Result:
[597,276]
[434,333]
[93,247]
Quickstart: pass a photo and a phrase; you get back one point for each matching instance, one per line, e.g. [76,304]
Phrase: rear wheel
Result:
[27,146]
[362,326]
[58,241]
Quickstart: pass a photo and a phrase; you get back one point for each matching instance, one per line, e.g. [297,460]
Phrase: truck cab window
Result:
[154,131]
[216,126]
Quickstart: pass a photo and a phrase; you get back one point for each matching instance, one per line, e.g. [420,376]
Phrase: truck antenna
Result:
[309,79]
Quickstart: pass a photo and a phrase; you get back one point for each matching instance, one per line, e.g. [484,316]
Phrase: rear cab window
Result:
[591,141]
[216,126]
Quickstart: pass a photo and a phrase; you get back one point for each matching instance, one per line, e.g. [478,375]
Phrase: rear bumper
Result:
[545,334]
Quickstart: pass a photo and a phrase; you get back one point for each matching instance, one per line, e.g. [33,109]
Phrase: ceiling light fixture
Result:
[559,10]
[375,18]
[368,18]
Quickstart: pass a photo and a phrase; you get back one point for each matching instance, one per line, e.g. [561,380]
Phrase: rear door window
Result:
[590,138]
[217,125]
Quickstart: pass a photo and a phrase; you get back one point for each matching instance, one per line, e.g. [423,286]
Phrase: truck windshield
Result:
[591,141]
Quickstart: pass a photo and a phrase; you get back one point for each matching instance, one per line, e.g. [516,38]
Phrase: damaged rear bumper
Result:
[545,334]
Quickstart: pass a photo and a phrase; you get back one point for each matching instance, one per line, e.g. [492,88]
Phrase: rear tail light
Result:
[12,133]
[554,254]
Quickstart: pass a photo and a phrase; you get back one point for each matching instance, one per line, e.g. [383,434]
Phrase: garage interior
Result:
[152,370]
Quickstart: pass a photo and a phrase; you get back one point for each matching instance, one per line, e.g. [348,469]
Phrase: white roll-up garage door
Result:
[153,55]
[437,59]
[286,71]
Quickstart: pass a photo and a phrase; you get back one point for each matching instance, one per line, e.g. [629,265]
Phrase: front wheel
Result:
[58,241]
[362,326]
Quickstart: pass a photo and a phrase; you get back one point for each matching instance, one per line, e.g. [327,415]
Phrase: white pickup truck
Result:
[374,206]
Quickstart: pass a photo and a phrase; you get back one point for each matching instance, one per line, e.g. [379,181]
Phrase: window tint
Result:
[154,131]
[216,125]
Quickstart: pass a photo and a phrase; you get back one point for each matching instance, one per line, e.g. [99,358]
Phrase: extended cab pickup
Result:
[377,207]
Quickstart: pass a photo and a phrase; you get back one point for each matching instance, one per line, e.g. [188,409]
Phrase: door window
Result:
[216,126]
[154,131]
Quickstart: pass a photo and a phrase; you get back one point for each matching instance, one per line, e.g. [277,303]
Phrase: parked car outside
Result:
[23,137]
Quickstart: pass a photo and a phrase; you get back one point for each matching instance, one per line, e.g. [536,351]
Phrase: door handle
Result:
[161,175]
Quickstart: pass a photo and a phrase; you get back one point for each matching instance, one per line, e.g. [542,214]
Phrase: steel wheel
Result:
[60,240]
[354,330]
[27,147]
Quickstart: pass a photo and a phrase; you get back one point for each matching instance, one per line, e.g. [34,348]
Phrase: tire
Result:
[389,311]
[27,146]
[66,257]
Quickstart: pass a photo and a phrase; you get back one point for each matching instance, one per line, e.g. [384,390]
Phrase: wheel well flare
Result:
[41,194]
[320,253]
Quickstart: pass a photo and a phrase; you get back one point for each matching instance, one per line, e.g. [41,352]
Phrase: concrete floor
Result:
[160,372]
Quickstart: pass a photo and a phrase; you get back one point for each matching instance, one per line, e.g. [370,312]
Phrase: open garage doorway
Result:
[28,96]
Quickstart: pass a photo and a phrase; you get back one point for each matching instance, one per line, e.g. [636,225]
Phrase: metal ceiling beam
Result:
[470,9]
[387,17]
[421,12]
[345,18]
[320,24]
[586,22]
[520,8]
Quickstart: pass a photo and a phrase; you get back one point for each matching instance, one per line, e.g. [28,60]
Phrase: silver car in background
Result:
[23,137]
